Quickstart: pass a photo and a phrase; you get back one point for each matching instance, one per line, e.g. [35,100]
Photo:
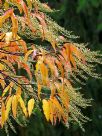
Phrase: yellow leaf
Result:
[14,105]
[8,107]
[18,91]
[22,104]
[2,66]
[2,81]
[7,88]
[30,106]
[2,114]
[46,109]
[26,55]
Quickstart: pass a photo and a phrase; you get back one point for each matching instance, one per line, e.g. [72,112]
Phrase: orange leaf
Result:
[18,91]
[15,25]
[44,73]
[72,60]
[27,68]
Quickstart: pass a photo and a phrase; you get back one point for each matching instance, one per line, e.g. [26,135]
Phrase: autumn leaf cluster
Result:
[40,65]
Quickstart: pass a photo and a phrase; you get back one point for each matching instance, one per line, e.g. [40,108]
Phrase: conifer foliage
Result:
[40,65]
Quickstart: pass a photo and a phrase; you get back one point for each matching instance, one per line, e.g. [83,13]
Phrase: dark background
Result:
[84,18]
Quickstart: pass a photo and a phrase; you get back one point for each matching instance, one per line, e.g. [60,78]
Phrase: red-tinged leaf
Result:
[61,58]
[77,52]
[14,105]
[23,44]
[30,106]
[68,67]
[72,60]
[0,2]
[41,18]
[6,15]
[51,64]
[24,7]
[60,68]
[27,68]
[64,54]
[30,25]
